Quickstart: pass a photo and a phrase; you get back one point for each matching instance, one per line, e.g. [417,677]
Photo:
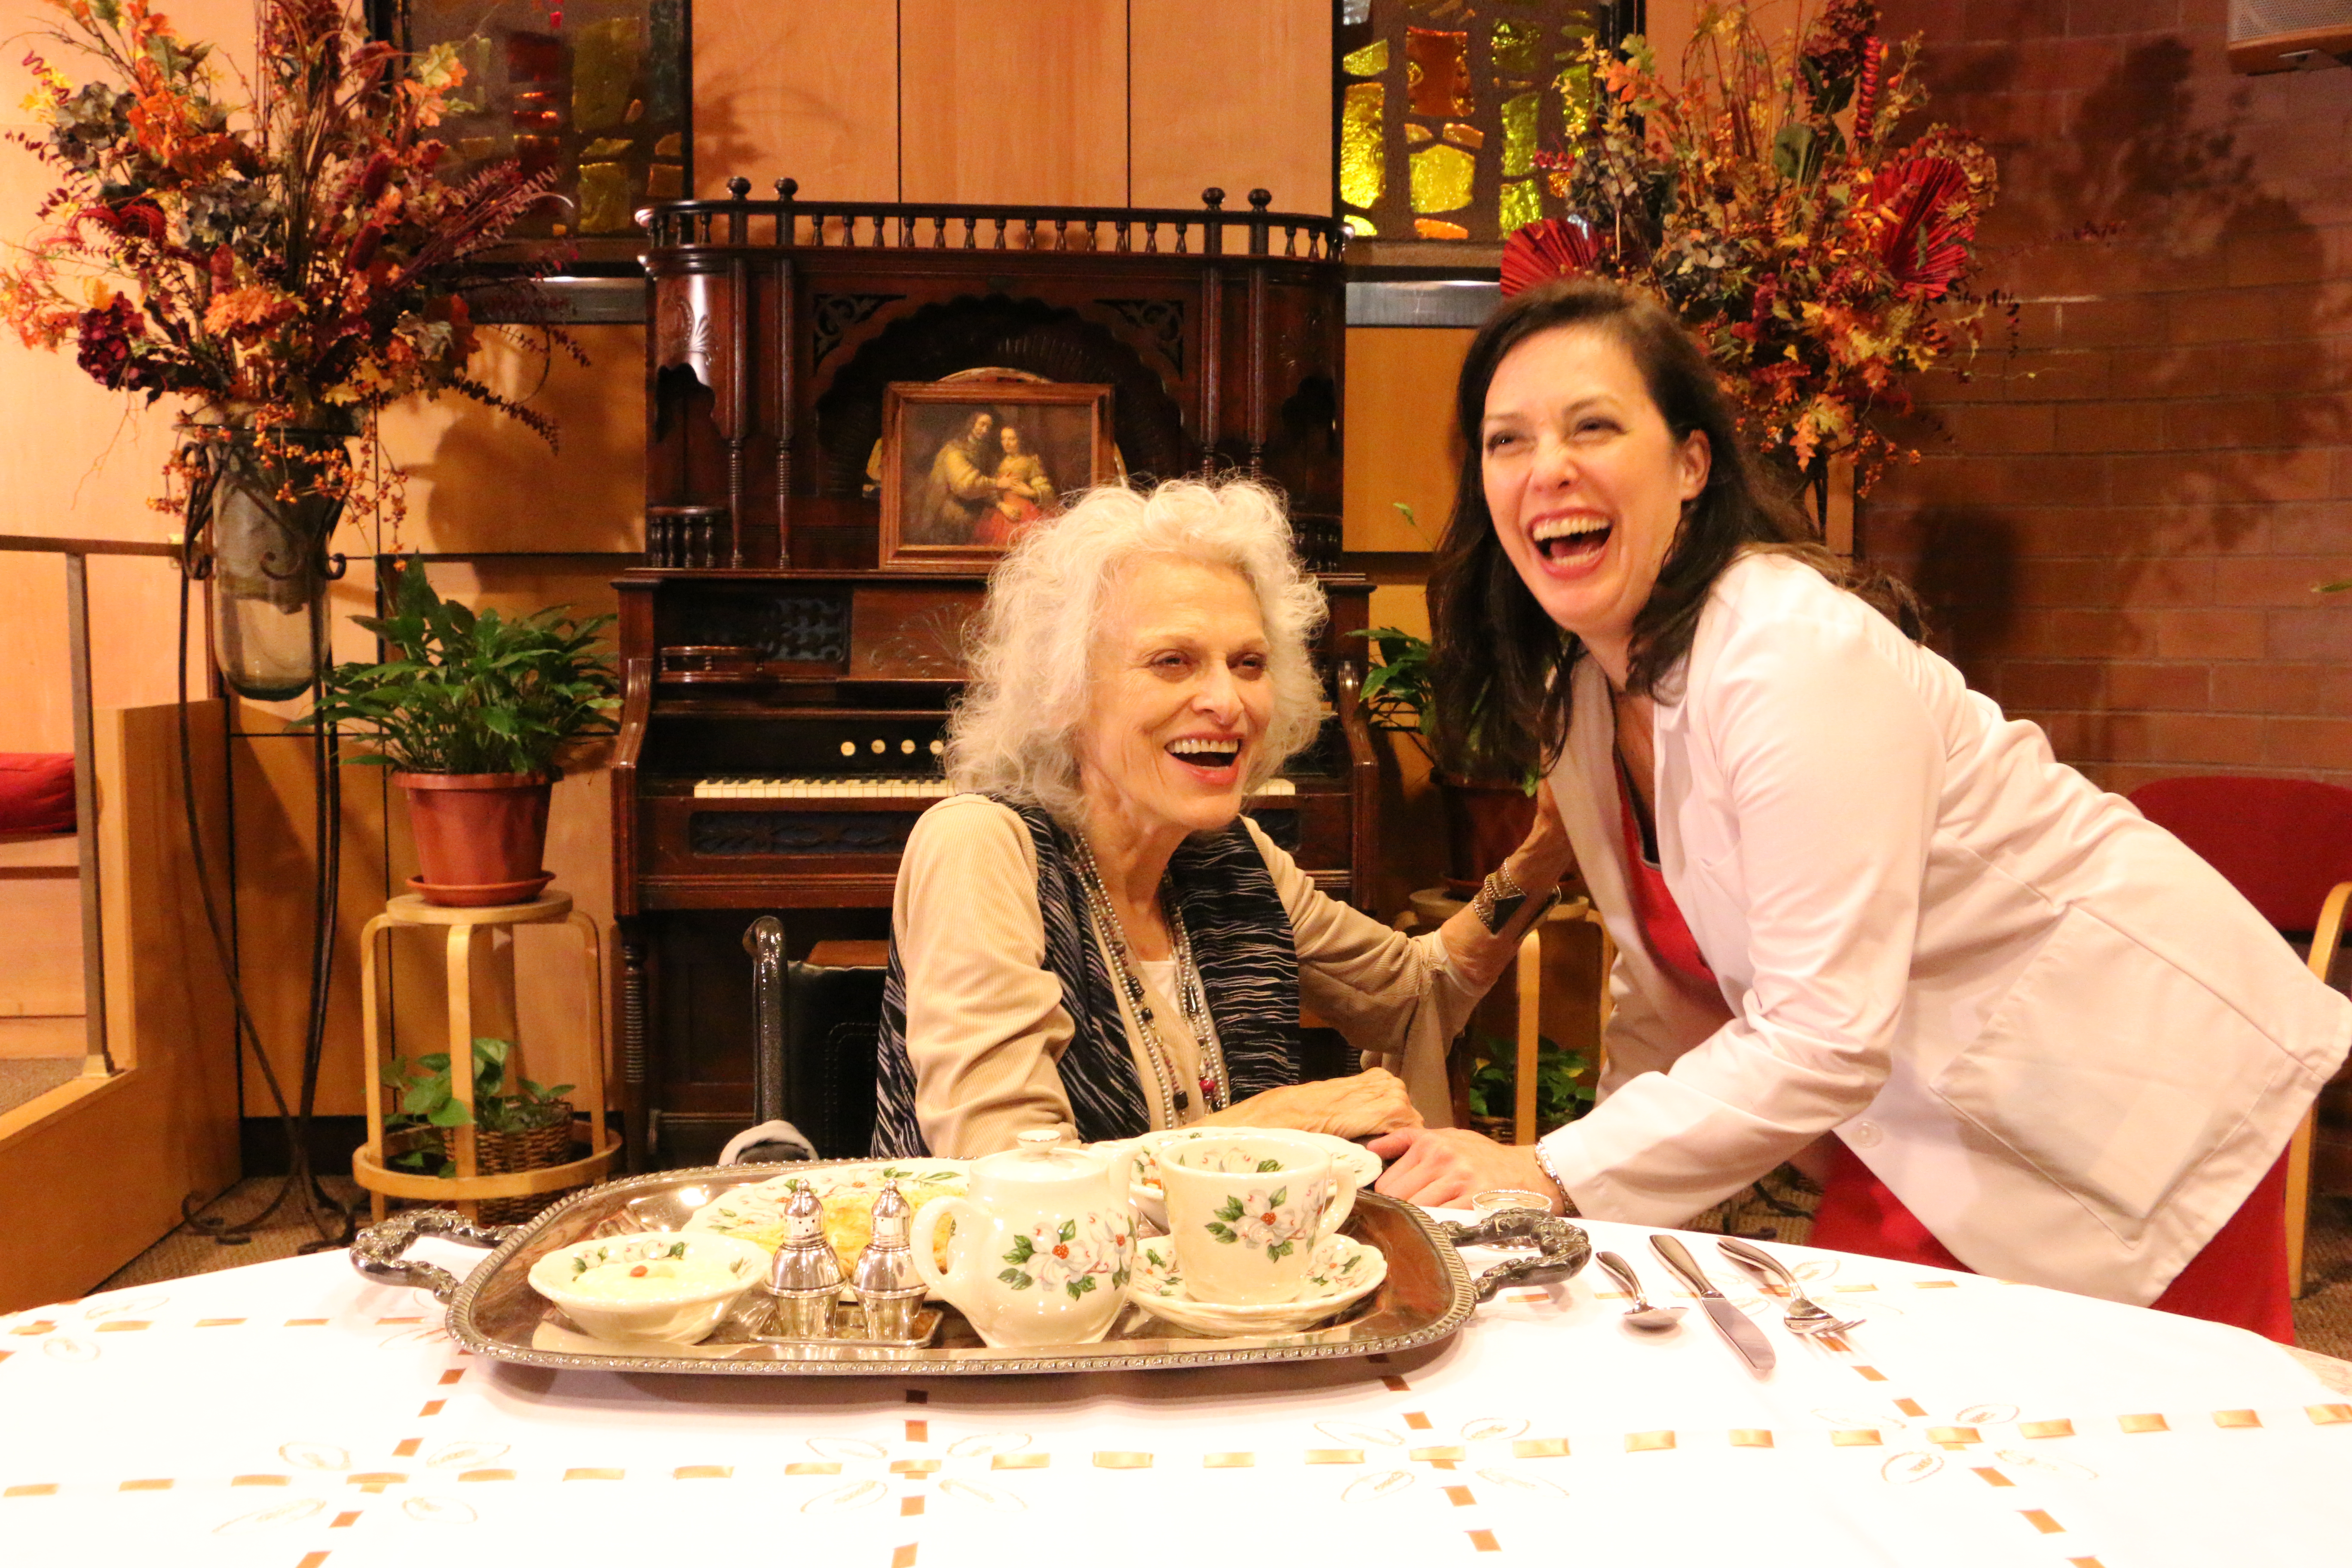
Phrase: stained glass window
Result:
[1443,105]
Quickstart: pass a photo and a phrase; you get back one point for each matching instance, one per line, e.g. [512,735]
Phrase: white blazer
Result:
[2060,1037]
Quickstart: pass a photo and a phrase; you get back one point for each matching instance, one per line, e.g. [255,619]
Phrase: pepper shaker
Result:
[805,1278]
[889,1290]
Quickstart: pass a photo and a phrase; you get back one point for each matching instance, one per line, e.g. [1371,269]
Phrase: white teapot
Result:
[1042,1246]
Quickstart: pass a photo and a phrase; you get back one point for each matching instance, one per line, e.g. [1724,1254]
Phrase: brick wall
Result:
[2120,540]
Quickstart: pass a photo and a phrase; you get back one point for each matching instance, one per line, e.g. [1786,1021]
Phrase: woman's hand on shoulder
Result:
[1442,1167]
[1366,1104]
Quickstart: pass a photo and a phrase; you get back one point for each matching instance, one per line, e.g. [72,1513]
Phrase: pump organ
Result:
[784,697]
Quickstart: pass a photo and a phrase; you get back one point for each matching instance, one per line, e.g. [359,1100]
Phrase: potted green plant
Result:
[474,713]
[1564,1090]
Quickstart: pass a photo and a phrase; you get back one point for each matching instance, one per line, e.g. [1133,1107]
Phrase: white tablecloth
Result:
[293,1414]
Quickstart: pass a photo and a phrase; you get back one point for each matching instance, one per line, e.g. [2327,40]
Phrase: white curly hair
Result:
[1029,652]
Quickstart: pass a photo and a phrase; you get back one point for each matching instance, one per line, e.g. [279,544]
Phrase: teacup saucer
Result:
[1346,1270]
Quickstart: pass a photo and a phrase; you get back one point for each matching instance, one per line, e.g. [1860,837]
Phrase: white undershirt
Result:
[1159,973]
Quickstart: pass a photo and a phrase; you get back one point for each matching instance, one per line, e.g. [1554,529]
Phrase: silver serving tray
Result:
[1427,1296]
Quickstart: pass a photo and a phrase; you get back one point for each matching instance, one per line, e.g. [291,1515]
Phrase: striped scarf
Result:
[1242,942]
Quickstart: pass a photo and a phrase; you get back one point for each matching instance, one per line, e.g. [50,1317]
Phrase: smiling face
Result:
[1010,439]
[1585,482]
[1179,697]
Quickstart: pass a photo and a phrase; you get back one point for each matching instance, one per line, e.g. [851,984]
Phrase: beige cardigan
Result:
[985,1025]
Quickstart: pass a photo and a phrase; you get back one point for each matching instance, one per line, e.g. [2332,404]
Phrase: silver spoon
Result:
[1640,1315]
[1804,1316]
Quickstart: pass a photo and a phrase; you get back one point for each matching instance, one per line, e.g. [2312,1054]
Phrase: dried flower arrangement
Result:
[1774,200]
[292,263]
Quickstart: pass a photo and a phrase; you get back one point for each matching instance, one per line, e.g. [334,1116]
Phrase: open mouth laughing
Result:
[1570,538]
[1213,757]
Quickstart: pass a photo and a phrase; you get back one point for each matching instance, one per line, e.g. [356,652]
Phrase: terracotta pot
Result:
[481,837]
[1484,822]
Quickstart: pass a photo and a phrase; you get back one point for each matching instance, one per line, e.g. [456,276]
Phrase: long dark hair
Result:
[1500,673]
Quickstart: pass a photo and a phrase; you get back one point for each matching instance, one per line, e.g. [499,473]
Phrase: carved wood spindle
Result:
[1290,239]
[939,232]
[1061,233]
[785,191]
[1000,233]
[739,187]
[1259,200]
[739,377]
[1151,237]
[1257,359]
[1213,227]
[970,240]
[786,337]
[1119,229]
[1029,235]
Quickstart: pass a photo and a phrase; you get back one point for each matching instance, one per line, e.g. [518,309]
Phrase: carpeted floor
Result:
[1779,1208]
[26,1078]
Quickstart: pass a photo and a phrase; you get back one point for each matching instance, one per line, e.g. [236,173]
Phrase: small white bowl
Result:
[682,1317]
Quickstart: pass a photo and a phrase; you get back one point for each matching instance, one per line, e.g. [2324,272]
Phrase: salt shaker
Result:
[804,1280]
[889,1290]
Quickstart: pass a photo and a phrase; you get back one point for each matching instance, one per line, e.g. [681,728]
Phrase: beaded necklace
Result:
[1216,1088]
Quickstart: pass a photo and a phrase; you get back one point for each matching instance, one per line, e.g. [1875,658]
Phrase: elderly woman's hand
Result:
[1440,1167]
[1359,1107]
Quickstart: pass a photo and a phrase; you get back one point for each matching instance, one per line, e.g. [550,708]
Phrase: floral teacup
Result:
[1245,1211]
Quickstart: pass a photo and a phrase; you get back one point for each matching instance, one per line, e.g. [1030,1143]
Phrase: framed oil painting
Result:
[598,90]
[968,466]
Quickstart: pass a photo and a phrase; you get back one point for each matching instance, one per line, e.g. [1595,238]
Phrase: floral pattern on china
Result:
[1340,1264]
[1344,1271]
[1069,1256]
[1260,1218]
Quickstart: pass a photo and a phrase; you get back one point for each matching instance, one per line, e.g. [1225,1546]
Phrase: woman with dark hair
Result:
[1862,921]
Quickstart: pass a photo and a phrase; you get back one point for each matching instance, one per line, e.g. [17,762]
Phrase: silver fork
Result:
[1804,1316]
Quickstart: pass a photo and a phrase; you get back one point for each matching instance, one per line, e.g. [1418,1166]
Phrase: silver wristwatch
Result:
[1543,1164]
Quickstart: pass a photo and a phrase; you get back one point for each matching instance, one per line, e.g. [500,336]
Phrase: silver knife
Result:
[1729,1322]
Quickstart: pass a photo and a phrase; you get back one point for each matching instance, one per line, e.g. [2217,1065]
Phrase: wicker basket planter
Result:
[496,1153]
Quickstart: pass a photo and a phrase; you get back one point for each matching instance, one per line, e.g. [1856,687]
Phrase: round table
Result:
[294,1415]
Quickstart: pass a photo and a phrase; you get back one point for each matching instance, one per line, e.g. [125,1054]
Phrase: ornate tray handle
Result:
[1561,1248]
[376,1250]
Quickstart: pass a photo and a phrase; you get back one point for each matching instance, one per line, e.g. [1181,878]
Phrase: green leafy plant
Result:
[1397,696]
[472,692]
[1563,1088]
[428,1099]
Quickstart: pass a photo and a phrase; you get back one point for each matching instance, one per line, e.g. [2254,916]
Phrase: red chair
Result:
[2287,845]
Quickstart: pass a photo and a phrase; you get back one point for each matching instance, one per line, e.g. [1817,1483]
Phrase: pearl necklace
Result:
[1216,1088]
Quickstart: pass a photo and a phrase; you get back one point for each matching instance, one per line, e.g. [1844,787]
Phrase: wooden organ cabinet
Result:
[785,695]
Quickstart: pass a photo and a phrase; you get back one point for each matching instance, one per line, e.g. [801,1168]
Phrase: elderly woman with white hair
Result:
[1092,936]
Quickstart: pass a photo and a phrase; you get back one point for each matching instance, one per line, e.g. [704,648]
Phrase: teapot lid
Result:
[1041,1155]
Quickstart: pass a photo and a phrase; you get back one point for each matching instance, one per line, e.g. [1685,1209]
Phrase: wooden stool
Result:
[467,1187]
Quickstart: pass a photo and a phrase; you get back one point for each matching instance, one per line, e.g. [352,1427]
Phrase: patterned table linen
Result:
[293,1415]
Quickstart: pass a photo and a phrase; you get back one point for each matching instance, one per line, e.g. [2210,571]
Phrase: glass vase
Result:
[271,520]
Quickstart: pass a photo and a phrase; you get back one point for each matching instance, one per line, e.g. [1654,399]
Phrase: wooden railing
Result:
[97,1063]
[919,225]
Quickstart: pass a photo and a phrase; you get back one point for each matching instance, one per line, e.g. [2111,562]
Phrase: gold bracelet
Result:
[1500,899]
